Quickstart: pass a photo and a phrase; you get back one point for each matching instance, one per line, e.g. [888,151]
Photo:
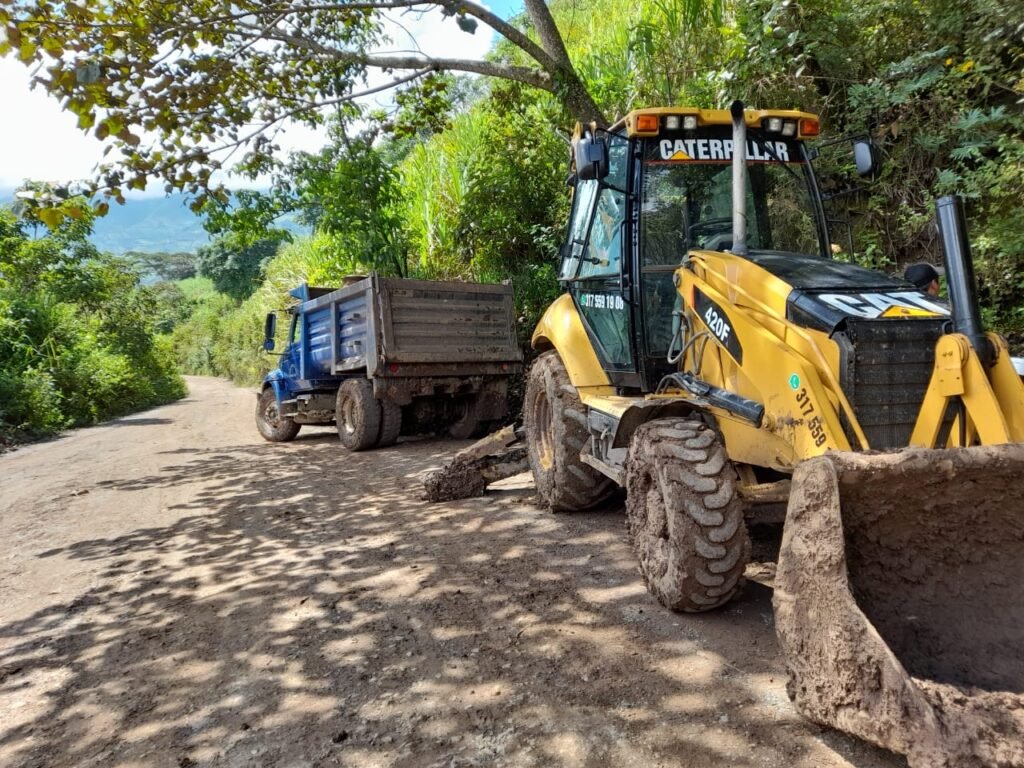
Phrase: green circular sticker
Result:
[794,381]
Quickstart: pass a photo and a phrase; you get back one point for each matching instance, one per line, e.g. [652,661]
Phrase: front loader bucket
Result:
[899,601]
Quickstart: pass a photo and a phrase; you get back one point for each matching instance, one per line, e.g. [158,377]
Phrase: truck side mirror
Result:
[865,155]
[269,331]
[591,155]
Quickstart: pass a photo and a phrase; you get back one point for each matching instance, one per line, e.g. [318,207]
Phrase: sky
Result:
[40,141]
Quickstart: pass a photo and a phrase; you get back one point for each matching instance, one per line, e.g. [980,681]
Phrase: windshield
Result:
[687,197]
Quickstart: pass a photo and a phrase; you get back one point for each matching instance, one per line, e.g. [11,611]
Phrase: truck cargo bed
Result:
[394,327]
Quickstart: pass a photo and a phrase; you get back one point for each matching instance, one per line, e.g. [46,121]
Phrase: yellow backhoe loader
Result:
[712,356]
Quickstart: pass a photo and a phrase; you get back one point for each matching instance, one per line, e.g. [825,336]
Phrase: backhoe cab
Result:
[711,356]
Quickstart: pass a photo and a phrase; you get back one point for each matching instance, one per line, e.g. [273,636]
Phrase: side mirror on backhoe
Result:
[269,331]
[865,155]
[591,155]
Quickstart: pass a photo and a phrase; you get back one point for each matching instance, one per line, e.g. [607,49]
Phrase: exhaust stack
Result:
[963,295]
[739,179]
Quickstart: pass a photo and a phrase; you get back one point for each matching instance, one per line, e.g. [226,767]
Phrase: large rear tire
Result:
[556,434]
[390,423]
[357,414]
[269,421]
[685,516]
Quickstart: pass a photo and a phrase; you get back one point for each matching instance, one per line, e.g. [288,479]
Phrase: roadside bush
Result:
[29,403]
[77,336]
[239,349]
[195,339]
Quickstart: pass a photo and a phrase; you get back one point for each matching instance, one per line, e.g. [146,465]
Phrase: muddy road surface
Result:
[176,592]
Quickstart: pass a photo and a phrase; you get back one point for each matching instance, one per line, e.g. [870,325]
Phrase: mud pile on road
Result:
[499,455]
[899,605]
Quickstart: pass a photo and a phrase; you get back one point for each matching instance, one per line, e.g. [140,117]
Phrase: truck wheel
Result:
[269,421]
[467,424]
[684,515]
[390,423]
[357,413]
[556,434]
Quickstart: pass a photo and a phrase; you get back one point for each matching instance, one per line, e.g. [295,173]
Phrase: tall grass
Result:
[436,179]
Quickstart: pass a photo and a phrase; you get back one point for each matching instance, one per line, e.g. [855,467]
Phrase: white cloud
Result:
[38,139]
[41,141]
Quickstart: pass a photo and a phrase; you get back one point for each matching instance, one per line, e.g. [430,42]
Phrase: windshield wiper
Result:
[767,147]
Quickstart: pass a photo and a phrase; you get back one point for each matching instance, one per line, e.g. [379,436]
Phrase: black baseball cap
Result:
[921,275]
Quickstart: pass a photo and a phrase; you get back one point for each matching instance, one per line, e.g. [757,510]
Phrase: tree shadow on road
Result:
[309,609]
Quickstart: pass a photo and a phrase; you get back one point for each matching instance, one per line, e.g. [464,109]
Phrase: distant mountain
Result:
[149,224]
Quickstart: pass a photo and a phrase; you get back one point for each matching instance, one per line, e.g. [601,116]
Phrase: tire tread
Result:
[683,465]
[569,485]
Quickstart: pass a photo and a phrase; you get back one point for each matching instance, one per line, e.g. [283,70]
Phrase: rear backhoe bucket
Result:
[899,601]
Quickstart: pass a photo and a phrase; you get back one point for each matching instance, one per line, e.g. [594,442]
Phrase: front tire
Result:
[357,414]
[556,434]
[685,516]
[269,421]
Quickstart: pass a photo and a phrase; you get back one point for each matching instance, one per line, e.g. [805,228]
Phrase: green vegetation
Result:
[161,265]
[78,335]
[466,179]
[234,263]
[240,69]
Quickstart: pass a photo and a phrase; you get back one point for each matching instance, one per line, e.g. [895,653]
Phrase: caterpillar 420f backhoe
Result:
[713,357]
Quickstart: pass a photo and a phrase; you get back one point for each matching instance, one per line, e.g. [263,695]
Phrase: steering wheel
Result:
[709,227]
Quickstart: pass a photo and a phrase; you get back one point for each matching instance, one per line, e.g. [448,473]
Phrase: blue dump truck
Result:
[381,357]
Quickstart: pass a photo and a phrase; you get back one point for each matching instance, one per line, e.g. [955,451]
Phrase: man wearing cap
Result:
[924,277]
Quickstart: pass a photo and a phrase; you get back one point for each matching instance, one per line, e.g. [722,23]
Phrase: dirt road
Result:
[176,592]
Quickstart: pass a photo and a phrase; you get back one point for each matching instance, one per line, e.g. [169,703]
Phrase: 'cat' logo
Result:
[874,305]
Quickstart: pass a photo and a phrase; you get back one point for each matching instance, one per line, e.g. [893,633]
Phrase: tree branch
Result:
[534,77]
[510,33]
[547,31]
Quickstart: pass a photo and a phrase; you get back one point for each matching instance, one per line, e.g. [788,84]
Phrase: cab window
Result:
[582,205]
[605,244]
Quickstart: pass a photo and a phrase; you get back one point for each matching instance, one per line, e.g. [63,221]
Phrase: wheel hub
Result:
[348,410]
[272,415]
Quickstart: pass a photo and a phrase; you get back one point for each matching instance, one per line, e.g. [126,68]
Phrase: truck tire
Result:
[390,423]
[556,433]
[468,422]
[357,413]
[269,421]
[684,515]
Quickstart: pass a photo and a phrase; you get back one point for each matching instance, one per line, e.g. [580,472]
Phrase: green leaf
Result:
[53,47]
[51,217]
